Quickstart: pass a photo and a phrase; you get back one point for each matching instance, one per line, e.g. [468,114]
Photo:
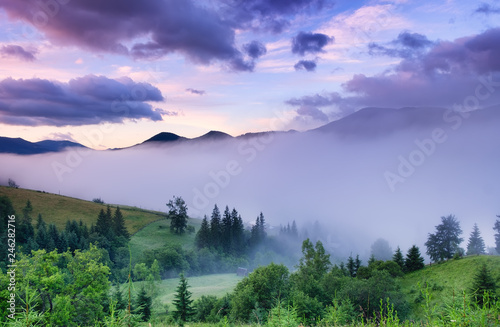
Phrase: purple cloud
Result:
[312,112]
[310,43]
[406,45]
[255,49]
[308,65]
[82,101]
[464,72]
[17,51]
[194,91]
[487,9]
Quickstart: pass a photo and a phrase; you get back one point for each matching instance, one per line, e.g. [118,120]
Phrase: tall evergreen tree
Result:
[445,242]
[42,238]
[351,266]
[121,303]
[483,282]
[293,231]
[398,258]
[103,224]
[237,233]
[215,227]
[226,231]
[119,224]
[54,236]
[203,235]
[414,260]
[258,232]
[496,228]
[25,230]
[182,301]
[476,242]
[144,304]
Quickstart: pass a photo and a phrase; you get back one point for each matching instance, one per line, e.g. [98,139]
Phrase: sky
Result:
[113,73]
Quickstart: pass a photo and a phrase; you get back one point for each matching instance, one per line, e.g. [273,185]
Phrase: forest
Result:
[87,275]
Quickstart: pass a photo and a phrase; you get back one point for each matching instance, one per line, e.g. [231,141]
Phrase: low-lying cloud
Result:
[337,179]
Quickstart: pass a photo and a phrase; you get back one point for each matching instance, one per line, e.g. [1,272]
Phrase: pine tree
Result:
[294,232]
[178,215]
[25,230]
[121,304]
[39,221]
[476,242]
[215,228]
[143,304]
[483,282]
[182,301]
[54,236]
[357,264]
[496,228]
[237,233]
[398,258]
[119,228]
[42,238]
[203,235]
[414,260]
[351,266]
[445,242]
[103,225]
[226,231]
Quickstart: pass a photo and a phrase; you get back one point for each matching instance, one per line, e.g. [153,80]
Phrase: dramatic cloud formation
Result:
[309,65]
[310,43]
[194,91]
[406,45]
[255,49]
[17,51]
[464,73]
[85,100]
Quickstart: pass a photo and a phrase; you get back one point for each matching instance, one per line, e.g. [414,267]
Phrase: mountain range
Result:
[366,123]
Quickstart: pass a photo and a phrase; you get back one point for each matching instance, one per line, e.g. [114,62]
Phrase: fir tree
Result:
[203,235]
[103,224]
[258,232]
[215,228]
[42,238]
[182,301]
[496,228]
[357,264]
[237,233]
[226,231]
[143,304]
[25,230]
[54,236]
[414,260]
[293,231]
[121,304]
[398,258]
[351,266]
[39,221]
[476,242]
[483,282]
[445,242]
[119,228]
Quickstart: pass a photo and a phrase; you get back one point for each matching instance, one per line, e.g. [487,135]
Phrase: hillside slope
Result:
[58,209]
[447,279]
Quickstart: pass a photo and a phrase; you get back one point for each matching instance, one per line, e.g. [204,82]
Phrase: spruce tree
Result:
[414,261]
[496,228]
[203,235]
[351,266]
[237,233]
[143,305]
[293,231]
[483,282]
[103,225]
[258,232]
[119,224]
[476,242]
[182,301]
[215,228]
[226,231]
[42,238]
[399,259]
[445,242]
[121,303]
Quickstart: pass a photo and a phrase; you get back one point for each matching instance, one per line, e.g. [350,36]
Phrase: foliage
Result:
[262,288]
[398,258]
[476,243]
[483,283]
[98,200]
[445,242]
[496,228]
[282,316]
[143,305]
[183,302]
[177,212]
[414,261]
[12,183]
[381,250]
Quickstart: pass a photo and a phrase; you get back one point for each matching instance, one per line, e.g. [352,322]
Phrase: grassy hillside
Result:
[58,209]
[448,279]
[157,234]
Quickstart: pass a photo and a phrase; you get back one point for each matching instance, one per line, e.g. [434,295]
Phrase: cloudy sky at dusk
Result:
[131,69]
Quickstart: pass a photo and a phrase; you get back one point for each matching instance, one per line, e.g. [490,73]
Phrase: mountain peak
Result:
[164,137]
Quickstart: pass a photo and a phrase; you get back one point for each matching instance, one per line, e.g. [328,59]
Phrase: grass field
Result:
[218,285]
[58,209]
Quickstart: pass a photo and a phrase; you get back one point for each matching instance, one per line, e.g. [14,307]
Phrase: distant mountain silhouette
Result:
[165,137]
[21,146]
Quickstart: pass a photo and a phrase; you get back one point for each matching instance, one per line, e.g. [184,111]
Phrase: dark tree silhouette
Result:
[414,260]
[178,215]
[445,242]
[399,259]
[182,301]
[476,242]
